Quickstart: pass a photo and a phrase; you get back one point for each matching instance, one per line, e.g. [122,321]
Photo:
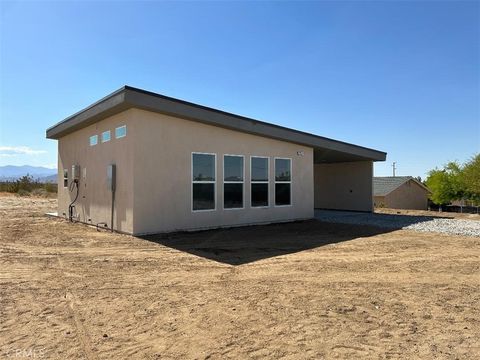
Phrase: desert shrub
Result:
[6,186]
[40,192]
[22,192]
[50,187]
[27,184]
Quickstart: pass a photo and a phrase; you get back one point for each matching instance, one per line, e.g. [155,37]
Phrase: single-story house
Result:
[140,162]
[400,192]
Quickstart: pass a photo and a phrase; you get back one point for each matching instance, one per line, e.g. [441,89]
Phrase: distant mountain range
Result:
[40,173]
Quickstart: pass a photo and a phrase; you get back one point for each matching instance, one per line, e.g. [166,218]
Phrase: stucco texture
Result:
[94,201]
[344,186]
[154,188]
[162,169]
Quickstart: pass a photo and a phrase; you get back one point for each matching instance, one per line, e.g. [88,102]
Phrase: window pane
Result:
[259,169]
[203,167]
[233,168]
[106,136]
[121,131]
[282,170]
[93,140]
[232,196]
[203,196]
[259,195]
[282,194]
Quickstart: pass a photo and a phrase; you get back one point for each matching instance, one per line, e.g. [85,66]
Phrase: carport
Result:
[343,176]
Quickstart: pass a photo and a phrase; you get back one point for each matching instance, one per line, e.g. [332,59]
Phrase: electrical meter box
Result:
[76,172]
[111,176]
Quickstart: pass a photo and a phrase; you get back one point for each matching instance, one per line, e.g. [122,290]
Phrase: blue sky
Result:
[398,76]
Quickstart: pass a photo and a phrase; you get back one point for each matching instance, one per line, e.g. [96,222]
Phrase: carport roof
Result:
[325,150]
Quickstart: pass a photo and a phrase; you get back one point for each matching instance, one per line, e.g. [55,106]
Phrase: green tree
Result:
[455,182]
[447,184]
[471,178]
[438,181]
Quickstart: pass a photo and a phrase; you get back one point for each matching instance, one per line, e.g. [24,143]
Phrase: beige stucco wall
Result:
[162,172]
[154,188]
[94,201]
[344,186]
[409,195]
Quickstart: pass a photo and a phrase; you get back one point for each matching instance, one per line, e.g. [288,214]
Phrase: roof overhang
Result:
[325,150]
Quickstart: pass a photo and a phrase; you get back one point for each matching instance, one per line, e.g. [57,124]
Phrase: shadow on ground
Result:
[242,245]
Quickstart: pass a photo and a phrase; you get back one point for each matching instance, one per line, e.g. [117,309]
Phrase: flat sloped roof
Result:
[384,185]
[325,149]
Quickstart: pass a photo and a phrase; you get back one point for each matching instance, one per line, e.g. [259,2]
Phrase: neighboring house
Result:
[400,192]
[182,166]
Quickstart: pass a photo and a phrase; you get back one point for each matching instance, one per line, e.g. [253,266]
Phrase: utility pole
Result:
[394,168]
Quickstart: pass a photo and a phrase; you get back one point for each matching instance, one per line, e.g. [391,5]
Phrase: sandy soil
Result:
[428,213]
[306,290]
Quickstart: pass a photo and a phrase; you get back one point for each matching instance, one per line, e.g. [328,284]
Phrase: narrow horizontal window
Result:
[232,181]
[93,140]
[121,132]
[283,182]
[203,181]
[259,181]
[106,136]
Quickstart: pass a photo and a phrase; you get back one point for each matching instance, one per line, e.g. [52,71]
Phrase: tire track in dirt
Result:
[81,331]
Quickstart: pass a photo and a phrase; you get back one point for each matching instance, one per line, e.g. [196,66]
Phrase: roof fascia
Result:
[174,107]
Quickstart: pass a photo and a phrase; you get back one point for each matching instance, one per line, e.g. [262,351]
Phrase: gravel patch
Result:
[406,222]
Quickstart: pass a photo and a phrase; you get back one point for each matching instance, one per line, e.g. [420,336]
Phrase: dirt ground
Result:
[305,290]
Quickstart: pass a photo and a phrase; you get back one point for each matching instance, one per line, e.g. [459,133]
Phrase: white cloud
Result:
[8,151]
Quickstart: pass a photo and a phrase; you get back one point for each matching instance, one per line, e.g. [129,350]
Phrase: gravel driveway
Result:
[408,222]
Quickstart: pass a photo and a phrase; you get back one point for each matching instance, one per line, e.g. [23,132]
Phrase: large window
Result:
[283,182]
[203,181]
[121,132]
[259,181]
[93,140]
[233,181]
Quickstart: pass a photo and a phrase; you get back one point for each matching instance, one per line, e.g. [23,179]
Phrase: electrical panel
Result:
[76,172]
[111,177]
